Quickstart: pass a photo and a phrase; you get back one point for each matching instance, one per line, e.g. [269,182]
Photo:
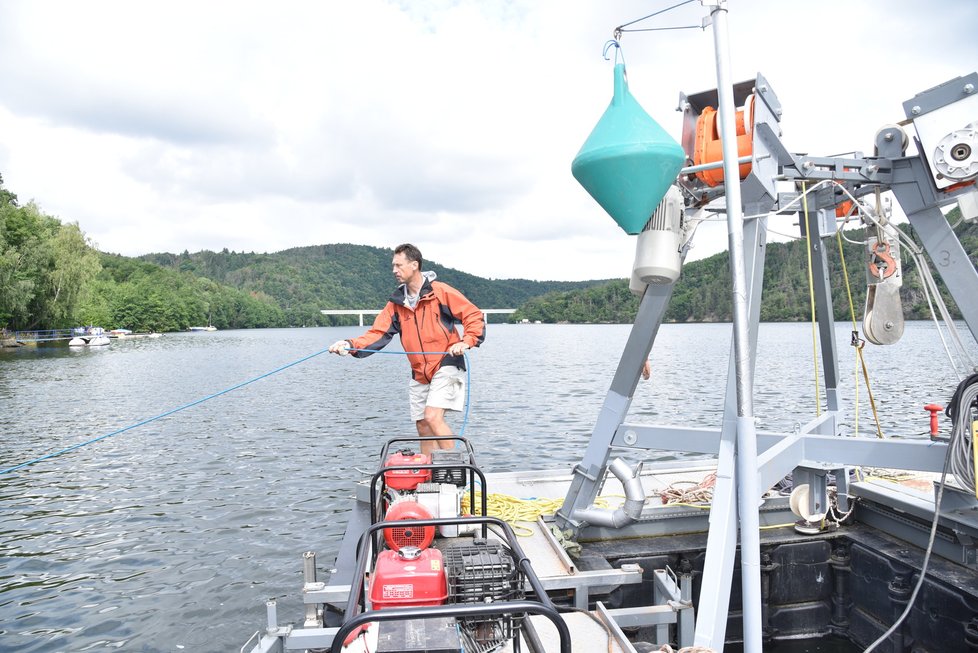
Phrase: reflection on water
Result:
[173,534]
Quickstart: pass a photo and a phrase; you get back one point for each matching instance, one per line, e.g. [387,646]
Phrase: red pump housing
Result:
[408,535]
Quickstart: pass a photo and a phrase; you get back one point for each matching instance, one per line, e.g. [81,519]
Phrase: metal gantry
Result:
[748,462]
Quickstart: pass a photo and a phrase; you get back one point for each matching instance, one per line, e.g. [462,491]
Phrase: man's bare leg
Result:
[434,424]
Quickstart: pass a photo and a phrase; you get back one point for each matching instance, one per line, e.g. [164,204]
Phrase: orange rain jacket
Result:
[430,327]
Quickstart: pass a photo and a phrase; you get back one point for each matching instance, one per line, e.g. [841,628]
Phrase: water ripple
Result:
[174,534]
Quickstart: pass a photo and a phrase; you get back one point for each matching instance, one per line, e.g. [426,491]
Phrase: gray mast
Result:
[747,490]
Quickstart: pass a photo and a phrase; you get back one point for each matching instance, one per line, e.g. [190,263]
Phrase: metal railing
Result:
[43,335]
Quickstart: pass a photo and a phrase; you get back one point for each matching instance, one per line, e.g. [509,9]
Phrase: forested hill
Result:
[51,276]
[703,294]
[304,280]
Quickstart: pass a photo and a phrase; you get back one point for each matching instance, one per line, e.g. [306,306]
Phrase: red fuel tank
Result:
[407,479]
[408,577]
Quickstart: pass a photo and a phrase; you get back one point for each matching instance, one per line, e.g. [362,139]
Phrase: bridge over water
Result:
[370,311]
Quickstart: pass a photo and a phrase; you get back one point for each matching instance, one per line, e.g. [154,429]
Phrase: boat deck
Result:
[661,529]
[559,573]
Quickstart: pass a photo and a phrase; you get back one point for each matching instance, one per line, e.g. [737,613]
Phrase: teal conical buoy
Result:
[628,162]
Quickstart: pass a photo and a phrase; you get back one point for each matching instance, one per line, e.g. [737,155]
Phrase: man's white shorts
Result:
[446,390]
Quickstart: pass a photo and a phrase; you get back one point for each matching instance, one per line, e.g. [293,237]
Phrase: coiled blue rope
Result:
[218,394]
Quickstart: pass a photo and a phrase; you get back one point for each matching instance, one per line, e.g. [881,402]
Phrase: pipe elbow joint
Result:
[630,510]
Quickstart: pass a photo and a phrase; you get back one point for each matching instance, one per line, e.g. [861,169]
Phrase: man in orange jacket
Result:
[423,312]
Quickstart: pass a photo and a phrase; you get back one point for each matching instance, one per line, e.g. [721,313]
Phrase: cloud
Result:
[450,123]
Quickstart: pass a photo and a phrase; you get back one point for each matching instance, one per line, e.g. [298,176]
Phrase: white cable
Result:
[861,243]
[789,236]
[940,333]
[927,280]
[787,206]
[963,354]
[930,288]
[923,567]
[928,284]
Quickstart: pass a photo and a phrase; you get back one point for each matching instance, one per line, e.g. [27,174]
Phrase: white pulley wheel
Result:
[799,504]
[895,129]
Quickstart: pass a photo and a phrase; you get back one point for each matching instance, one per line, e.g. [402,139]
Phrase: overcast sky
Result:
[259,126]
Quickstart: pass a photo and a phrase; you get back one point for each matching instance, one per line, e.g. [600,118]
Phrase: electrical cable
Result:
[958,459]
[162,415]
[959,409]
[928,283]
[784,235]
[811,297]
[801,197]
[237,386]
[927,554]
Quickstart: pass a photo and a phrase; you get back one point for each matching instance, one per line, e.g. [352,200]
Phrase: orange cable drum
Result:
[709,147]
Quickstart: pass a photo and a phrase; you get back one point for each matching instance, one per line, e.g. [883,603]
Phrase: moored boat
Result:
[90,337]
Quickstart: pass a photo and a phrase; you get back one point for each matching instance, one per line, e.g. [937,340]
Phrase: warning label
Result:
[402,591]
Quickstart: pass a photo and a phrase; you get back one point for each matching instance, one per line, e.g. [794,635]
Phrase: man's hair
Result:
[410,252]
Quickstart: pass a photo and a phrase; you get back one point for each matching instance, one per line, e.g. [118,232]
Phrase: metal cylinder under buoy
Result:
[657,251]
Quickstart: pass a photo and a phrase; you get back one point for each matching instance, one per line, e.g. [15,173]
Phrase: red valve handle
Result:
[933,409]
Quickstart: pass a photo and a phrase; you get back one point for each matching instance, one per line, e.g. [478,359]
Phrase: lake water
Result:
[171,536]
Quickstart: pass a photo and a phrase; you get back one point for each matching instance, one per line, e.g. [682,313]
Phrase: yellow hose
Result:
[513,510]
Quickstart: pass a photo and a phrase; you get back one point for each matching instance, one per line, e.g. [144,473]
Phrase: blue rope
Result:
[161,415]
[468,375]
[79,445]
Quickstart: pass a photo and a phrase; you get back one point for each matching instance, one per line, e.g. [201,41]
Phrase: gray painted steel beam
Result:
[711,623]
[590,472]
[913,189]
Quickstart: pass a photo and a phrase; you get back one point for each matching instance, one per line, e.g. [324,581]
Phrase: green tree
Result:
[6,197]
[45,268]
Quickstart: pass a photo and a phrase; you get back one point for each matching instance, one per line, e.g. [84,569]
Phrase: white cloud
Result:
[452,124]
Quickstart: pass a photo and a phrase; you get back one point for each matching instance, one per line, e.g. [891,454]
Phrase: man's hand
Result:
[457,348]
[341,347]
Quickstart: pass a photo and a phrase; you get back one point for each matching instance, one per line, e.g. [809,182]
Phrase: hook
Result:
[607,46]
[881,263]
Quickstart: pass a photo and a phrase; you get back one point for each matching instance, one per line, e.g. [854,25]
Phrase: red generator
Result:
[407,479]
[407,578]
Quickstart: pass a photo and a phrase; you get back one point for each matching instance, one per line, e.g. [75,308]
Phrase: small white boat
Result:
[90,337]
[89,341]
